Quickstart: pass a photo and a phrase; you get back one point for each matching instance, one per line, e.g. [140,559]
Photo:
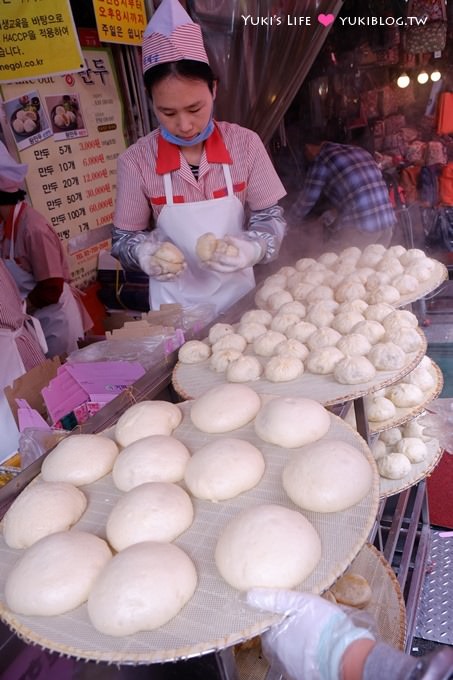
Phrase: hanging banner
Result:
[72,156]
[120,21]
[44,28]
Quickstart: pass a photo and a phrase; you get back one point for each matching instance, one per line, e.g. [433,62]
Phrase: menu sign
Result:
[37,39]
[71,146]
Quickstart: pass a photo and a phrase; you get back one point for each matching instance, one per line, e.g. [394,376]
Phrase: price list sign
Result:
[72,170]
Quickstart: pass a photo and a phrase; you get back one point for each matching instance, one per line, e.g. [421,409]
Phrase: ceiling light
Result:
[403,80]
[423,77]
[435,76]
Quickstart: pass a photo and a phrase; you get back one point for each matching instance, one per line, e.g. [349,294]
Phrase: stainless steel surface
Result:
[435,615]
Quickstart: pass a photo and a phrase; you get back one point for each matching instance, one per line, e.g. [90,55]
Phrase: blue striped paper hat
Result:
[171,35]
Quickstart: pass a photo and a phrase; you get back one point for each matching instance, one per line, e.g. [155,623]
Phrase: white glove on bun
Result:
[161,261]
[231,253]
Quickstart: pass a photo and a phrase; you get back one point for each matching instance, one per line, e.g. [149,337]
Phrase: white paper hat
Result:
[171,35]
[12,173]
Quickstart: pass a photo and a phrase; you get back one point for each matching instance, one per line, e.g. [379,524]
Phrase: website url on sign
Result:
[383,21]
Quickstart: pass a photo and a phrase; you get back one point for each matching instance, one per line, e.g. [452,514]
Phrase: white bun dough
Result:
[353,370]
[155,511]
[294,307]
[230,341]
[159,458]
[80,459]
[328,259]
[372,330]
[391,436]
[266,344]
[405,395]
[323,361]
[301,331]
[56,574]
[344,322]
[244,369]
[378,312]
[399,318]
[385,293]
[282,322]
[353,306]
[386,356]
[413,448]
[278,299]
[145,419]
[320,317]
[225,408]
[419,270]
[394,466]
[251,330]
[267,546]
[218,330]
[411,255]
[42,509]
[292,348]
[350,291]
[413,429]
[378,449]
[142,588]
[319,293]
[291,421]
[409,339]
[379,409]
[422,378]
[220,360]
[193,352]
[170,258]
[405,283]
[283,368]
[223,469]
[323,337]
[328,476]
[260,316]
[353,344]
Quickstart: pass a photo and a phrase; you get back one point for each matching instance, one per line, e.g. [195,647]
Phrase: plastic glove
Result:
[249,253]
[155,267]
[309,644]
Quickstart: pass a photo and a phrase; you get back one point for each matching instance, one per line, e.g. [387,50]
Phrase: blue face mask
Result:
[201,137]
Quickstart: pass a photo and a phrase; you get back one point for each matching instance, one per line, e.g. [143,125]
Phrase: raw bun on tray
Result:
[42,509]
[218,330]
[283,368]
[244,369]
[386,356]
[145,419]
[156,511]
[394,466]
[55,575]
[405,395]
[267,546]
[225,408]
[223,469]
[353,370]
[323,361]
[193,352]
[80,459]
[230,341]
[413,448]
[292,421]
[159,458]
[220,361]
[328,476]
[379,409]
[142,588]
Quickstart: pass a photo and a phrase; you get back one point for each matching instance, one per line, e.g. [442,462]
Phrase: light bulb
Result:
[423,77]
[403,80]
[435,76]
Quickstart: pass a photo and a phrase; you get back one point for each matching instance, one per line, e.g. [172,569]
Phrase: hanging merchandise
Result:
[445,114]
[446,185]
[430,36]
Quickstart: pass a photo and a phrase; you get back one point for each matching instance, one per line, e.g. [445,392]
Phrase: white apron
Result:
[183,224]
[61,322]
[11,367]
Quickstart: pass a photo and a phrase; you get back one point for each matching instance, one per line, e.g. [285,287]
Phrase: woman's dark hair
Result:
[186,68]
[11,197]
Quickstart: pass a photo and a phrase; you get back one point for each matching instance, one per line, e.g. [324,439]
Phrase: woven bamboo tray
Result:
[217,616]
[192,380]
[404,415]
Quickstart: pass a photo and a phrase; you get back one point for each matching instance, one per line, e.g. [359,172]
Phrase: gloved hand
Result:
[160,260]
[310,642]
[249,253]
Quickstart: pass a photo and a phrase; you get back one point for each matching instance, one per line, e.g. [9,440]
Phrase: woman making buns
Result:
[191,177]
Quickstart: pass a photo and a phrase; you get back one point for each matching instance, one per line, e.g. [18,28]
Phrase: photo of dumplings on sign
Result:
[65,115]
[27,119]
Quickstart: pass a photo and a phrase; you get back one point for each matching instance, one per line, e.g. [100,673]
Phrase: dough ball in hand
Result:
[206,246]
[141,588]
[42,509]
[55,574]
[292,421]
[169,258]
[267,546]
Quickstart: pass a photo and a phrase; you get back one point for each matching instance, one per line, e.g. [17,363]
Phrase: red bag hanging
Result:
[445,114]
[446,185]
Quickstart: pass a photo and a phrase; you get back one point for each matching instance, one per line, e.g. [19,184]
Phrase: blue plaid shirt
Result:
[351,181]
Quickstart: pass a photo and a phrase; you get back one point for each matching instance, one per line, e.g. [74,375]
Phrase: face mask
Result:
[201,137]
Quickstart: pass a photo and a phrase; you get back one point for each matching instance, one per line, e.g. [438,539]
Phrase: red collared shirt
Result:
[140,186]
